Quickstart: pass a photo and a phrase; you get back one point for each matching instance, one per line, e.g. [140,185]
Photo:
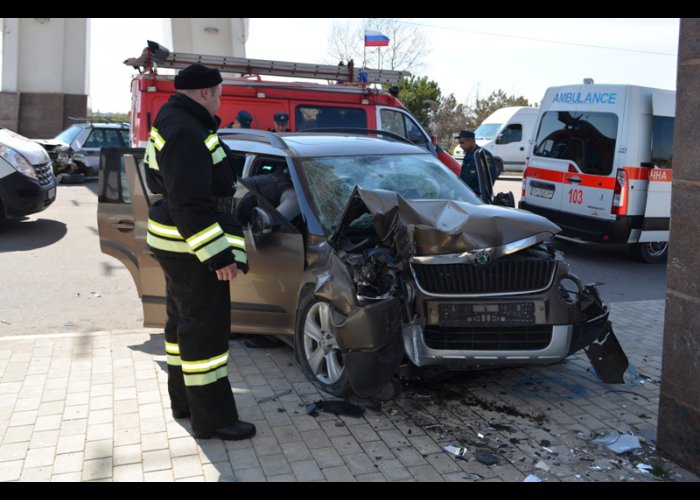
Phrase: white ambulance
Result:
[600,165]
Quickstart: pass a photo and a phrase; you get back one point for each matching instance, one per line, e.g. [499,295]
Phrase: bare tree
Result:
[408,44]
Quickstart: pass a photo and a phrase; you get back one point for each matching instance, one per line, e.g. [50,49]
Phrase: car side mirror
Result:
[500,139]
[262,223]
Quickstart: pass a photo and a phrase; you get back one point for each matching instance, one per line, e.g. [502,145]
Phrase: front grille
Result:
[507,275]
[500,338]
[44,173]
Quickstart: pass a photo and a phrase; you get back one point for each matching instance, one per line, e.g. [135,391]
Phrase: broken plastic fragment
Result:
[644,468]
[335,407]
[542,465]
[486,457]
[274,396]
[532,478]
[457,452]
[618,443]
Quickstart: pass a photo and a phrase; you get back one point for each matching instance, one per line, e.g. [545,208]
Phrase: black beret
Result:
[467,134]
[197,76]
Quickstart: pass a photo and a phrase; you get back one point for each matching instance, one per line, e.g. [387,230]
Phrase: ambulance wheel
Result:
[316,349]
[652,252]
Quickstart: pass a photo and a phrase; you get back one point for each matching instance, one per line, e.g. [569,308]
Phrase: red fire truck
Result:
[351,101]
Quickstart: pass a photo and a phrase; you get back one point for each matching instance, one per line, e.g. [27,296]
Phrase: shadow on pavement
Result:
[214,449]
[18,235]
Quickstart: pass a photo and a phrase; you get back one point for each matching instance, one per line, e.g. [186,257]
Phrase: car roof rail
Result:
[359,131]
[272,137]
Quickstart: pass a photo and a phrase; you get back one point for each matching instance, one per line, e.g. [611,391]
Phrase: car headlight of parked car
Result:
[17,161]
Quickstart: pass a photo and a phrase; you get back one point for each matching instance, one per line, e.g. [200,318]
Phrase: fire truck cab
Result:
[600,165]
[349,102]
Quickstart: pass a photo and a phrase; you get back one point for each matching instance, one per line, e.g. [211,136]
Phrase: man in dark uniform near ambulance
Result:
[200,246]
[467,140]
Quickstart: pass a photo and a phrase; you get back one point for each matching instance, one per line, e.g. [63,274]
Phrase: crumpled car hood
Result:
[435,227]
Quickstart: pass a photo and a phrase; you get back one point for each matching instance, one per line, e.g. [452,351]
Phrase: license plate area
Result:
[512,313]
[542,189]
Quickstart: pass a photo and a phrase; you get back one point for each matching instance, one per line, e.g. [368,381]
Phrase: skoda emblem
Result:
[482,259]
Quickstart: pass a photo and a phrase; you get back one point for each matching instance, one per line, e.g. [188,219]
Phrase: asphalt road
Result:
[55,279]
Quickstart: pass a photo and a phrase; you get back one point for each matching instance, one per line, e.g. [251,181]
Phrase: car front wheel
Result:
[316,349]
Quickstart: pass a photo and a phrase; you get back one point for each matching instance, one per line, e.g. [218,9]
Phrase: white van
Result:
[27,183]
[600,165]
[506,133]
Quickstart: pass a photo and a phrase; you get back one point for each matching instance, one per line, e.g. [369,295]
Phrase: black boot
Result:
[233,432]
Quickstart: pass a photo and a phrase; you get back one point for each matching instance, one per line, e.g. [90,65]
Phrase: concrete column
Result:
[679,405]
[212,36]
[45,65]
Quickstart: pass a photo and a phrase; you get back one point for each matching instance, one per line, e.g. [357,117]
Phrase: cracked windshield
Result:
[332,179]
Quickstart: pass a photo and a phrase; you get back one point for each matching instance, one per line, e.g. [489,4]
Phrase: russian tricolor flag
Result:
[375,39]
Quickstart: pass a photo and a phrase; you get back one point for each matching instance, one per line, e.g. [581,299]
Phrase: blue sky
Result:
[468,57]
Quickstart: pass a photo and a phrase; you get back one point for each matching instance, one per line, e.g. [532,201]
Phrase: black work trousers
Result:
[197,330]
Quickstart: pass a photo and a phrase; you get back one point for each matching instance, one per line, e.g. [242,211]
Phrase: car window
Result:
[125,137]
[331,180]
[108,138]
[69,135]
[310,116]
[403,125]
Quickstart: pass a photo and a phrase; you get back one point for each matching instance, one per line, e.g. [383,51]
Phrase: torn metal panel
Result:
[607,357]
[368,327]
[434,227]
[335,285]
[370,371]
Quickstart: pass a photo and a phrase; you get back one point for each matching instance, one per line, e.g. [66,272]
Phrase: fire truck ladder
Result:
[156,56]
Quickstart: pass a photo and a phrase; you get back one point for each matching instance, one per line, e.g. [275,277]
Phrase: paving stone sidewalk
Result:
[94,406]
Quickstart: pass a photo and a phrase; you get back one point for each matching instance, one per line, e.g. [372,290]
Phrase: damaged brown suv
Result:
[393,264]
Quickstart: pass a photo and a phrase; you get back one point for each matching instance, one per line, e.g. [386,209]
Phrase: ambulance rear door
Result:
[574,160]
[657,214]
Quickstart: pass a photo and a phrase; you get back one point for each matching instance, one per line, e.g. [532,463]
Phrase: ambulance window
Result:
[309,116]
[585,138]
[662,141]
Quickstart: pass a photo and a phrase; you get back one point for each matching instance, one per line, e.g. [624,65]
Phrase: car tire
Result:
[652,252]
[315,347]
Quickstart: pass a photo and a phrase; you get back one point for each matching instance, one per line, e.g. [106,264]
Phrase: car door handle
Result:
[123,224]
[522,148]
[575,180]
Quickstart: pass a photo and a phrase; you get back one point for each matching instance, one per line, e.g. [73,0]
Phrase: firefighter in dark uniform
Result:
[281,120]
[200,246]
[467,140]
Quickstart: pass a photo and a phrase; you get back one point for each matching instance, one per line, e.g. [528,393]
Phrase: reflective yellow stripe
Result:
[211,142]
[150,158]
[218,156]
[199,379]
[172,348]
[163,230]
[240,256]
[167,245]
[167,238]
[204,365]
[205,235]
[210,249]
[236,241]
[173,360]
[157,139]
